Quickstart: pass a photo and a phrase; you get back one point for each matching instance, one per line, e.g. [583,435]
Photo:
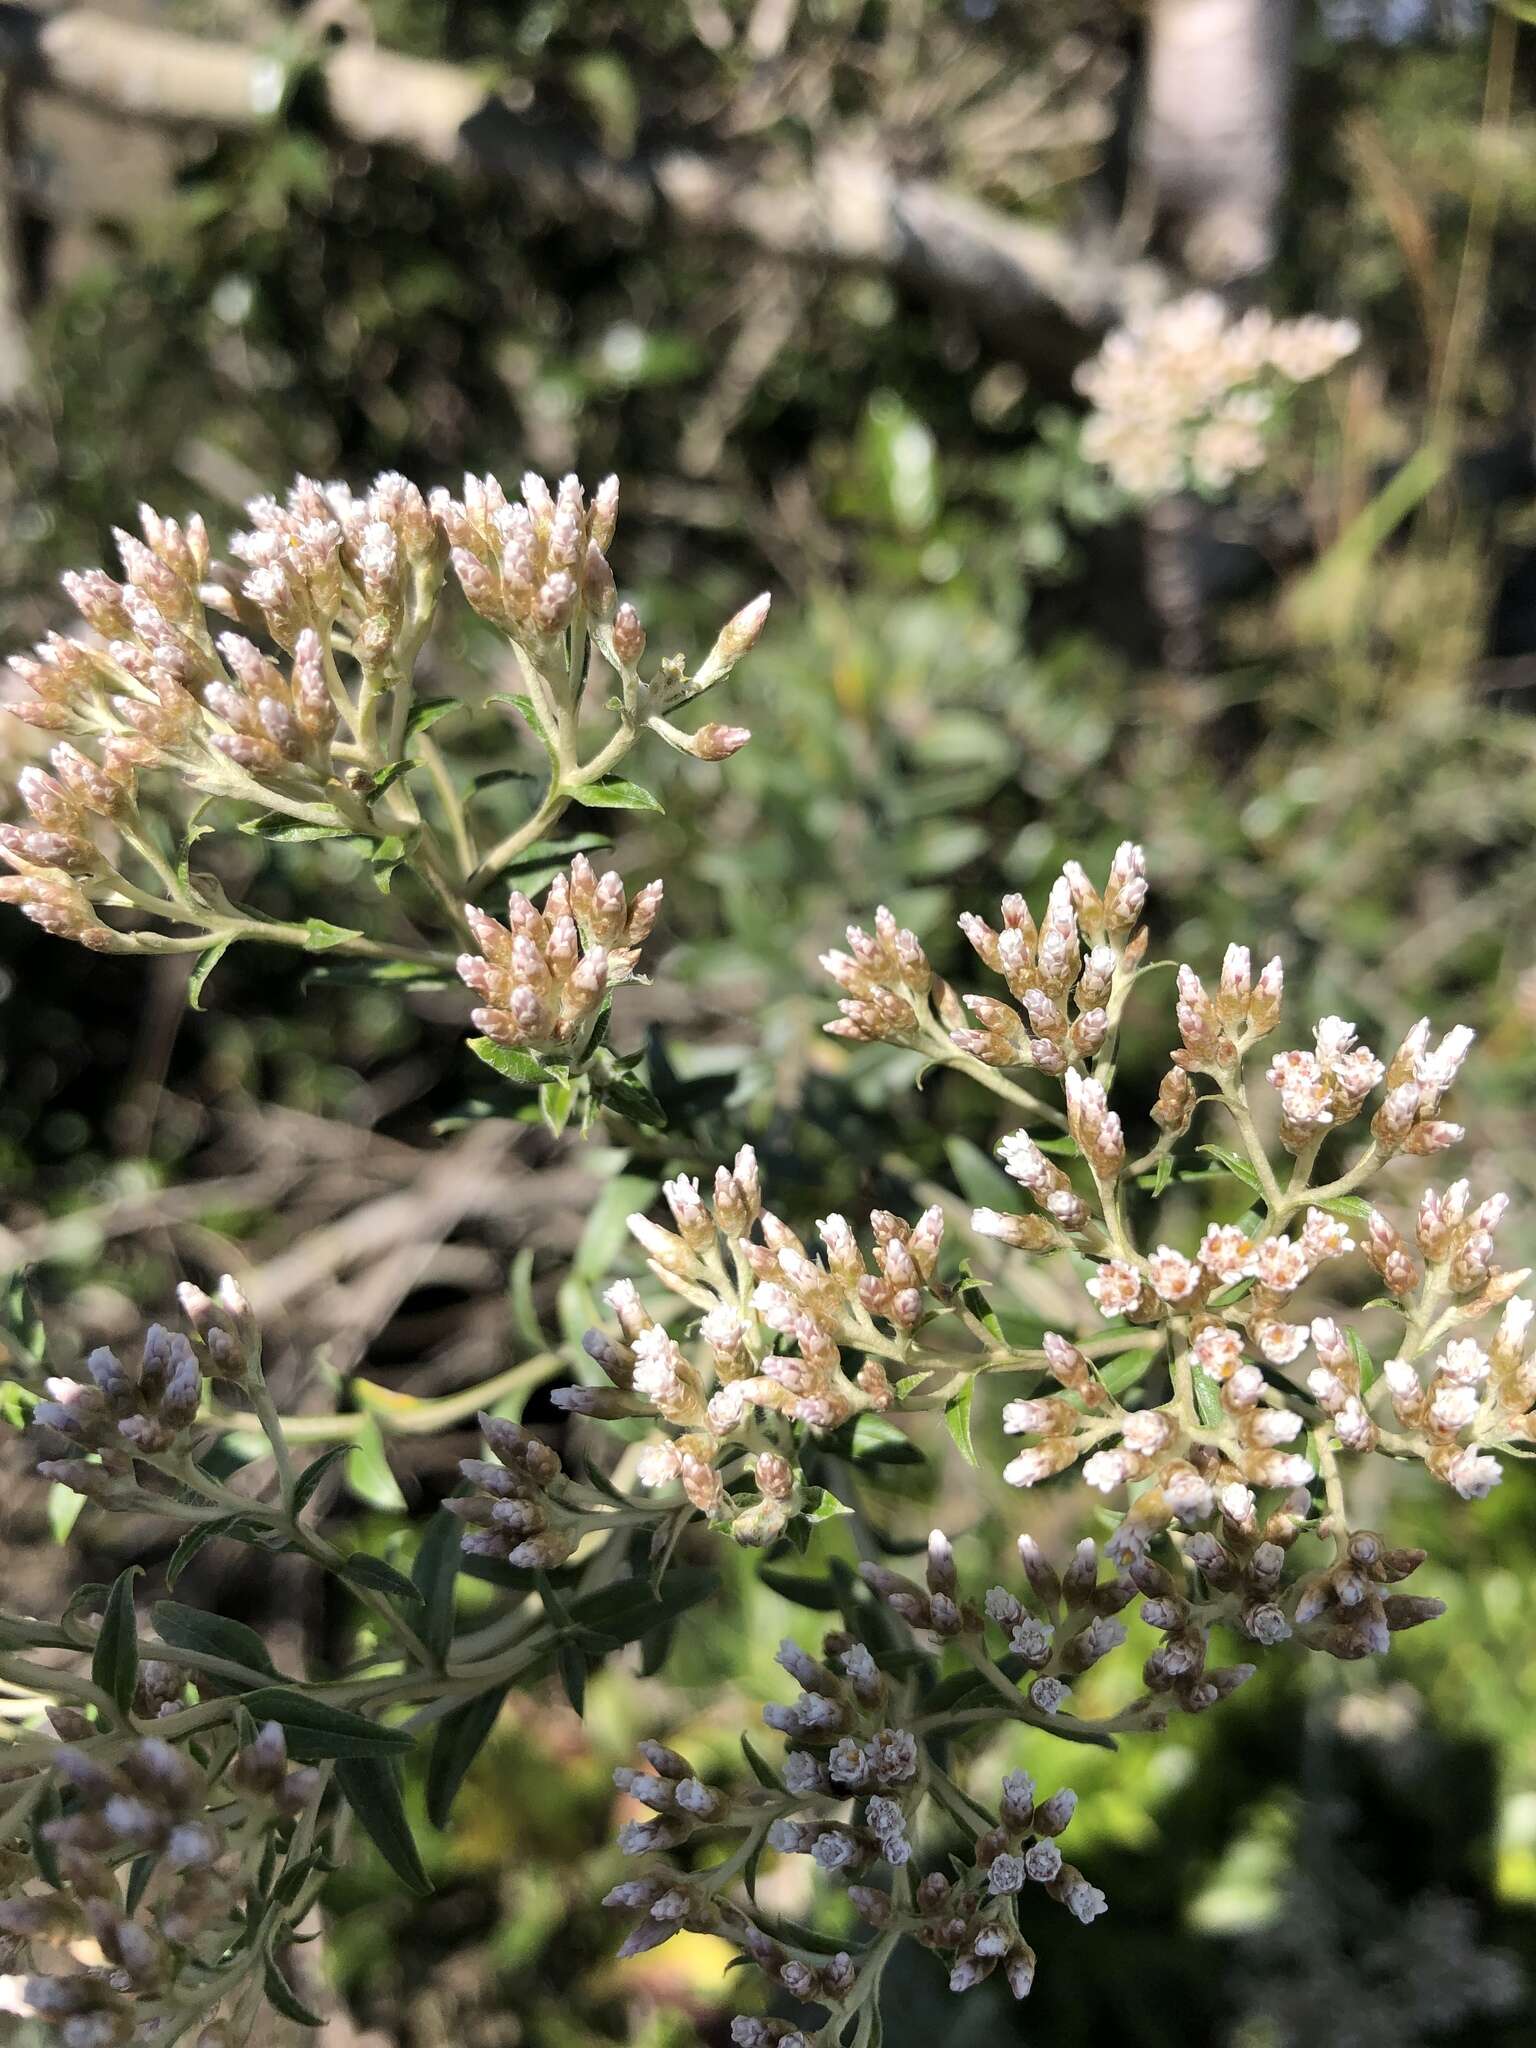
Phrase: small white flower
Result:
[834,1850]
[1174,1278]
[1463,1361]
[1475,1476]
[1116,1287]
[1086,1902]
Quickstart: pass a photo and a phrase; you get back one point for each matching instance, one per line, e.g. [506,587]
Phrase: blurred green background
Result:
[965,680]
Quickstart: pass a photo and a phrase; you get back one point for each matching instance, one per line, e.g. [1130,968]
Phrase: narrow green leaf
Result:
[656,1648]
[800,1587]
[386,858]
[64,1509]
[282,1997]
[1240,1169]
[282,830]
[304,1486]
[364,1569]
[460,1737]
[190,1628]
[556,1101]
[196,829]
[525,1314]
[630,1099]
[957,1419]
[387,778]
[115,1661]
[431,711]
[49,1807]
[434,1572]
[140,1871]
[368,1473]
[572,1666]
[322,936]
[316,1730]
[760,1767]
[238,1528]
[371,1787]
[207,960]
[511,1064]
[1122,1372]
[954,1691]
[613,793]
[624,1612]
[1207,1396]
[528,710]
[1367,1367]
[878,1441]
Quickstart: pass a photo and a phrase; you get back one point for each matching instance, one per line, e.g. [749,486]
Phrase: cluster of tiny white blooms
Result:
[1186,394]
[848,1779]
[757,1284]
[140,1969]
[971,1917]
[526,566]
[1324,1087]
[544,975]
[1066,975]
[373,563]
[1478,1395]
[1243,1393]
[841,1747]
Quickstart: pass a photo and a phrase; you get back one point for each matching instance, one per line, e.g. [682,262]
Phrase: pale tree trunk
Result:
[1211,147]
[1210,159]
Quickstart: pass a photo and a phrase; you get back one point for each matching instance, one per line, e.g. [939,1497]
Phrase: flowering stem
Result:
[1235,1098]
[947,1054]
[454,813]
[533,828]
[1346,1183]
[1333,1487]
[415,1417]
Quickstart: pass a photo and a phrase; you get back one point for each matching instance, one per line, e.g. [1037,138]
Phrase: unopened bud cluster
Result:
[853,1792]
[88,1434]
[1067,976]
[104,1973]
[514,1510]
[171,677]
[538,568]
[545,975]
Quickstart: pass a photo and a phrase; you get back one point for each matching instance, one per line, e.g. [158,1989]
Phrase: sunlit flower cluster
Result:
[1188,395]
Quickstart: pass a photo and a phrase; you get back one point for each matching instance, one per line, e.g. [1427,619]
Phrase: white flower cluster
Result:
[1184,396]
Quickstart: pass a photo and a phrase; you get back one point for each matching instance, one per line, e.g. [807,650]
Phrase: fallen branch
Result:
[1030,288]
